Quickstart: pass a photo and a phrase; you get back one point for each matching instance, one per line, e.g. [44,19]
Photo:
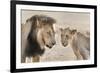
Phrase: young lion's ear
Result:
[73,31]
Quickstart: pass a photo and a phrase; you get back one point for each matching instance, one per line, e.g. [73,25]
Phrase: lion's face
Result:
[66,36]
[42,30]
[46,36]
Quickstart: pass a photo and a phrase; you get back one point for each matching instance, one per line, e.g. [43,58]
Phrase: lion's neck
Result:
[74,39]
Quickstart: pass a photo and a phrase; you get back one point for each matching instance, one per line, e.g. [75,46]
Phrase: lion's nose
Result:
[53,43]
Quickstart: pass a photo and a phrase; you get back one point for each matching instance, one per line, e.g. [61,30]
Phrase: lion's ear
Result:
[73,31]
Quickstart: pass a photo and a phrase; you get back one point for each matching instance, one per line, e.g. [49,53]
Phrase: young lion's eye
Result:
[66,36]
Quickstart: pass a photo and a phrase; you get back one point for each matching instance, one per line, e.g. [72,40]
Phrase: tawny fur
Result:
[37,33]
[78,41]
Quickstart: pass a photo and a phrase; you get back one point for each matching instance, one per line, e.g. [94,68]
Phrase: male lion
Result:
[79,42]
[40,34]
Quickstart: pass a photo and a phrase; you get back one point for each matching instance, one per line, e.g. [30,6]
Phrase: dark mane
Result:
[42,18]
[46,19]
[32,47]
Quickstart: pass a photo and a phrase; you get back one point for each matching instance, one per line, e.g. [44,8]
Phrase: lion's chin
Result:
[64,44]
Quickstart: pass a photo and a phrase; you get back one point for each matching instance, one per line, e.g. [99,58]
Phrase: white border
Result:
[20,65]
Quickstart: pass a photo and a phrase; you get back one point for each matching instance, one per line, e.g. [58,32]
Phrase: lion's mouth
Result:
[49,46]
[64,44]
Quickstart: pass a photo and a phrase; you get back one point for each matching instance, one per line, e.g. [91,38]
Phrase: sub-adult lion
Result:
[78,41]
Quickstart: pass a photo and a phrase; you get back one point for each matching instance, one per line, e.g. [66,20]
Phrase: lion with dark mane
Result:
[40,33]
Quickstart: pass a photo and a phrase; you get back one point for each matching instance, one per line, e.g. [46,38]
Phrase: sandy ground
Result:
[79,21]
[58,52]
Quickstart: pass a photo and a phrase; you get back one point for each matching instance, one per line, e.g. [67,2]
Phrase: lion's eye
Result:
[66,36]
[48,32]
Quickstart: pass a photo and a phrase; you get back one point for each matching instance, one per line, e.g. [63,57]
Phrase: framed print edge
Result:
[13,36]
[95,36]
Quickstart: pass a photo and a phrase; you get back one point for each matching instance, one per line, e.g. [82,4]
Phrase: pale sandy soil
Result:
[58,52]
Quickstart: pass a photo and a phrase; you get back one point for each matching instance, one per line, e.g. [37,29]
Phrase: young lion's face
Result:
[66,36]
